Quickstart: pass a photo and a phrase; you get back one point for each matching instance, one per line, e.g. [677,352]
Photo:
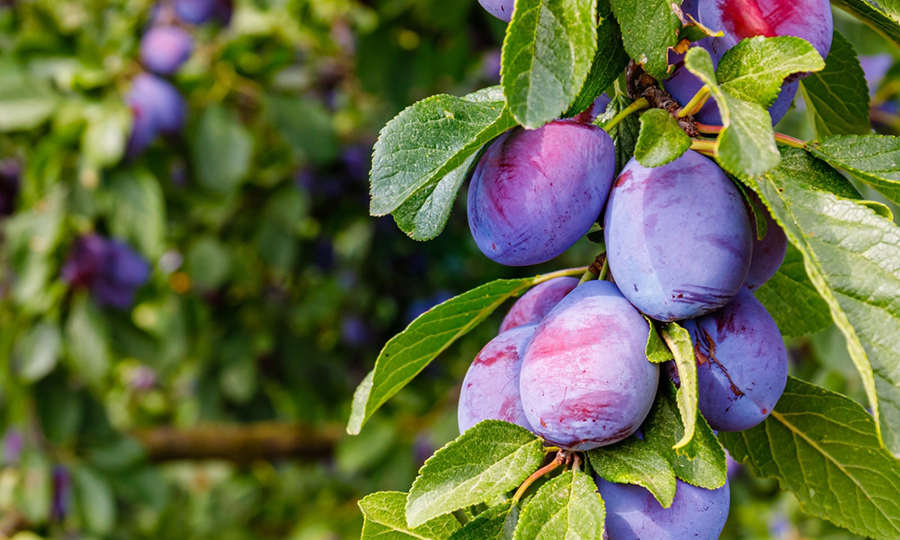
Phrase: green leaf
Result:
[746,145]
[208,263]
[95,500]
[852,256]
[424,214]
[222,150]
[873,159]
[108,127]
[679,341]
[38,351]
[138,211]
[407,353]
[87,340]
[34,493]
[305,125]
[634,461]
[567,507]
[753,70]
[385,520]
[24,103]
[649,28]
[428,140]
[837,98]
[609,61]
[661,139]
[663,428]
[547,54]
[656,350]
[496,523]
[486,461]
[625,133]
[874,16]
[792,300]
[824,448]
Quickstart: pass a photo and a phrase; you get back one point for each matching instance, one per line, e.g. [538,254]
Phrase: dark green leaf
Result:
[305,125]
[852,256]
[753,70]
[138,211]
[824,448]
[222,149]
[837,98]
[567,506]
[609,61]
[407,353]
[87,340]
[625,133]
[874,159]
[873,16]
[496,523]
[486,461]
[95,500]
[792,300]
[385,520]
[547,55]
[661,139]
[649,28]
[430,139]
[634,461]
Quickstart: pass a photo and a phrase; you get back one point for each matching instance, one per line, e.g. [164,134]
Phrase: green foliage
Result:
[634,461]
[792,300]
[661,139]
[609,61]
[567,506]
[872,159]
[679,341]
[649,28]
[625,134]
[837,98]
[381,511]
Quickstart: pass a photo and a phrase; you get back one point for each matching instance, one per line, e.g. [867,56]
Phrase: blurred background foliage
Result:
[210,402]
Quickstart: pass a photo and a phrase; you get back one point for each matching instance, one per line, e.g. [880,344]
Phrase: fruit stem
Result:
[550,449]
[604,272]
[709,129]
[595,270]
[696,103]
[638,105]
[705,147]
[557,461]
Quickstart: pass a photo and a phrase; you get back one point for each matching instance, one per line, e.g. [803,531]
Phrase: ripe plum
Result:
[537,302]
[157,107]
[490,390]
[741,363]
[768,253]
[502,9]
[678,237]
[536,192]
[165,48]
[586,381]
[632,513]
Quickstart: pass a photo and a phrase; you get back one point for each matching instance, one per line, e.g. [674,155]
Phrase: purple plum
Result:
[678,237]
[201,11]
[768,253]
[632,513]
[586,381]
[110,269]
[165,48]
[490,390]
[537,302]
[502,9]
[742,363]
[10,172]
[156,107]
[536,192]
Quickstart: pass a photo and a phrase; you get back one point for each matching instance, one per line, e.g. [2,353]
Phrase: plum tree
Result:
[502,9]
[156,107]
[741,363]
[537,302]
[768,253]
[678,237]
[535,193]
[490,390]
[632,513]
[165,48]
[738,19]
[586,381]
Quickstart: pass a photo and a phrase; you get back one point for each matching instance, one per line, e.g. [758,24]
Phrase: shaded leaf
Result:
[634,461]
[873,159]
[649,28]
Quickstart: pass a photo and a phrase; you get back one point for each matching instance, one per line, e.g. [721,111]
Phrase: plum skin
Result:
[585,380]
[156,107]
[534,193]
[742,364]
[502,9]
[537,302]
[165,48]
[768,253]
[490,389]
[678,237]
[633,513]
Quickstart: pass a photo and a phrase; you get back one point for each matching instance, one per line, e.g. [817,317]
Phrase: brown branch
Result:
[241,443]
[641,84]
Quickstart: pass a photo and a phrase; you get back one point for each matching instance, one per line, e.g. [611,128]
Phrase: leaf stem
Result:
[790,141]
[604,272]
[557,461]
[638,105]
[696,103]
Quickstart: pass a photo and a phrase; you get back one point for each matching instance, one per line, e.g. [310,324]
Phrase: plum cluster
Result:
[682,244]
[156,105]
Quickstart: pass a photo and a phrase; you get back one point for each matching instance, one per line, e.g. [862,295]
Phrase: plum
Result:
[586,381]
[165,48]
[490,390]
[156,107]
[742,364]
[768,253]
[537,302]
[534,193]
[738,19]
[678,237]
[109,268]
[632,513]
[201,11]
[502,9]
